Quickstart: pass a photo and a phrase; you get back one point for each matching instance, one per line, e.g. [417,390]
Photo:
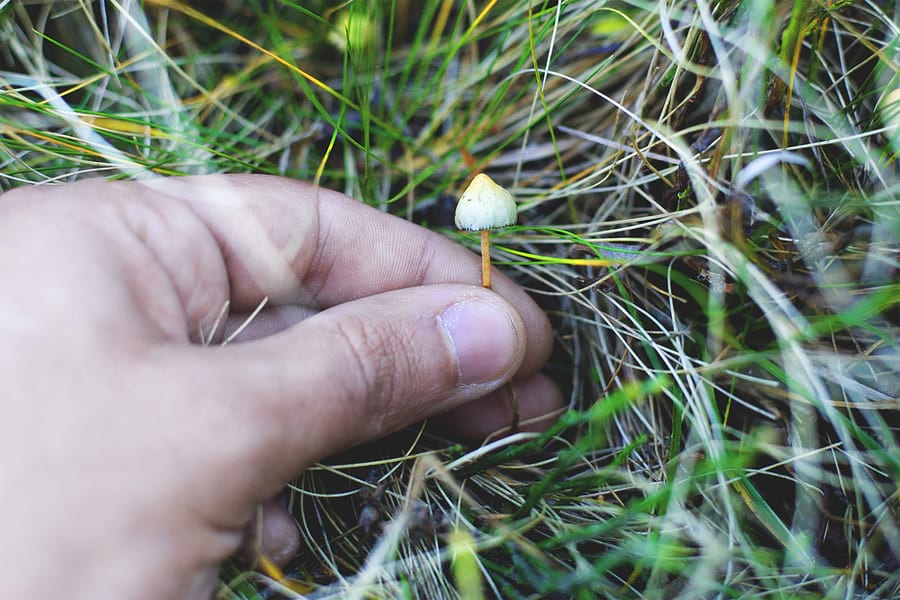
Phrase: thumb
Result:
[365,368]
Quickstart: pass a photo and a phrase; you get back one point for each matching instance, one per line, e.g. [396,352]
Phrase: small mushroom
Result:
[482,207]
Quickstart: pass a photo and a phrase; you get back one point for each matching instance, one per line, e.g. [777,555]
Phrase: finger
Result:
[354,373]
[540,402]
[299,244]
[272,533]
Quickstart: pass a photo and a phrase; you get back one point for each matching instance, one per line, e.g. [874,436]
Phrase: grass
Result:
[708,211]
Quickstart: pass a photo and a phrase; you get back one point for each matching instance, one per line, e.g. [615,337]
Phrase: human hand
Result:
[133,458]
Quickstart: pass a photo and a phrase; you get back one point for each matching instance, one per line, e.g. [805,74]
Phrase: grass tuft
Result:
[709,198]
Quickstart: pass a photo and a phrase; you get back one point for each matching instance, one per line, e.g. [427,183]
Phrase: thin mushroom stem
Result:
[486,258]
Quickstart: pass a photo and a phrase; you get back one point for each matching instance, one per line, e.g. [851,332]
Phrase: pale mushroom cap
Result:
[485,205]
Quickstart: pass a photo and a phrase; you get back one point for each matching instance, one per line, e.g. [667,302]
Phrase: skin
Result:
[134,458]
